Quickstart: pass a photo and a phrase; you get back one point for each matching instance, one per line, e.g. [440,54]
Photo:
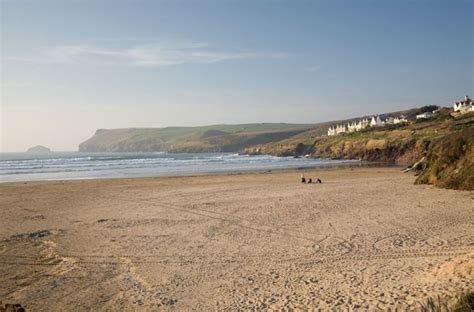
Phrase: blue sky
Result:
[70,67]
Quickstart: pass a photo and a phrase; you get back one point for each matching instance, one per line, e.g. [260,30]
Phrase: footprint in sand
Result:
[407,242]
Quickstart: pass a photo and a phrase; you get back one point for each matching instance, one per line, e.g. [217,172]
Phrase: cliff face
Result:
[450,161]
[400,147]
[444,144]
[124,140]
[400,151]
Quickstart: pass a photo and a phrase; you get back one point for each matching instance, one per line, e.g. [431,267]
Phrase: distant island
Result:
[38,149]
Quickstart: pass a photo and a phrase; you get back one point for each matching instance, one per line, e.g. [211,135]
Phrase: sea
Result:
[75,165]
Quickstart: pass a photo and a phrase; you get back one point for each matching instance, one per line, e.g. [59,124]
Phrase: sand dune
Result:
[365,238]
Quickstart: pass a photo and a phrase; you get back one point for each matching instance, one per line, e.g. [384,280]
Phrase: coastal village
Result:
[465,106]
[461,107]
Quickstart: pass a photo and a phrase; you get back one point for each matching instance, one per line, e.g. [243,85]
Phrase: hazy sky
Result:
[69,67]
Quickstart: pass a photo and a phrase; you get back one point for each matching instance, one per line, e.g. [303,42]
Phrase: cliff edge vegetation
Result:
[440,150]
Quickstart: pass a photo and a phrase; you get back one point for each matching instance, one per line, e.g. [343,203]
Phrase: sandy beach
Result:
[367,238]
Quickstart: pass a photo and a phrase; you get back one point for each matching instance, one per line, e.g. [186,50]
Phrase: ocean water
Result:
[75,165]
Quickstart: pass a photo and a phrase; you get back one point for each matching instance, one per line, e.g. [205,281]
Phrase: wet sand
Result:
[367,238]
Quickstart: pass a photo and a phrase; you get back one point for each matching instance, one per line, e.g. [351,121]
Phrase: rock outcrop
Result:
[38,149]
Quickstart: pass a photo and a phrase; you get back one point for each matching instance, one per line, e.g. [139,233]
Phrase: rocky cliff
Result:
[442,147]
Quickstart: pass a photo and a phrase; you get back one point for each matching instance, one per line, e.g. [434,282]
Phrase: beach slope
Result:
[364,238]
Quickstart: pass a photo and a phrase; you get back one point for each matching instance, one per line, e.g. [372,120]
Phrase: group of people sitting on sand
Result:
[303,180]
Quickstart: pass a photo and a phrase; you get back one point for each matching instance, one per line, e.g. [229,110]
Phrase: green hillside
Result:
[215,138]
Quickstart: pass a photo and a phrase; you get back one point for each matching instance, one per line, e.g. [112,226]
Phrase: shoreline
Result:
[337,166]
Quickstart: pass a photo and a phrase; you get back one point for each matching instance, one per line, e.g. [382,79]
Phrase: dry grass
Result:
[464,303]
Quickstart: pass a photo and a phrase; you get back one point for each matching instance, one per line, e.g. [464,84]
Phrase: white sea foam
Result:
[59,166]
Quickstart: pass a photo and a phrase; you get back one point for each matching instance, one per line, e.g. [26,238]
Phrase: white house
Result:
[331,131]
[362,124]
[464,106]
[389,121]
[340,129]
[401,119]
[376,122]
[424,115]
[350,127]
[336,130]
[457,106]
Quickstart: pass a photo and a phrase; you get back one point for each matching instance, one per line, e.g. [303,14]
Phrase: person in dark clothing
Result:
[303,180]
[310,181]
[319,181]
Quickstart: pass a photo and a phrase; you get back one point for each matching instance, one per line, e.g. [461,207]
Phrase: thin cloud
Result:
[151,55]
[5,85]
[313,69]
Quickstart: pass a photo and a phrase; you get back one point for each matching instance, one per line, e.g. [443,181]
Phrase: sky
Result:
[70,67]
